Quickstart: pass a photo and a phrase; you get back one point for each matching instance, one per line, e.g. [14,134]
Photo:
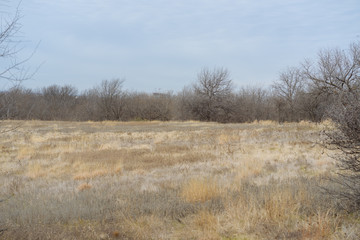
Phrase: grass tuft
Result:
[84,186]
[200,190]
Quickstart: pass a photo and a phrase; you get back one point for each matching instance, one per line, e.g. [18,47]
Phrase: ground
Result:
[168,180]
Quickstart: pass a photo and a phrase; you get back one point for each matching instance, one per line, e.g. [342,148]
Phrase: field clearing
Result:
[167,180]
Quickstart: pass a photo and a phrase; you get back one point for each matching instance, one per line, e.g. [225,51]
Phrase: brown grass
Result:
[173,180]
[200,190]
[84,186]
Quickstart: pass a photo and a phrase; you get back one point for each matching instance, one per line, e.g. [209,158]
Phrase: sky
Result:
[161,45]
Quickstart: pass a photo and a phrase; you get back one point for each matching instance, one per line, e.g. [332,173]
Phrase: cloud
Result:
[153,40]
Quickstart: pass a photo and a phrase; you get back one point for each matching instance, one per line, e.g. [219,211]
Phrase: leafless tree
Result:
[337,76]
[185,104]
[346,139]
[145,106]
[12,68]
[111,99]
[213,84]
[252,103]
[88,107]
[336,71]
[311,105]
[8,65]
[212,94]
[17,103]
[58,102]
[287,90]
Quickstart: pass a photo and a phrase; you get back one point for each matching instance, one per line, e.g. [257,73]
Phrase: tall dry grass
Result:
[174,180]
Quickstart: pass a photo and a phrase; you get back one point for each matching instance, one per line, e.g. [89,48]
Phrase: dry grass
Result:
[84,186]
[173,180]
[200,190]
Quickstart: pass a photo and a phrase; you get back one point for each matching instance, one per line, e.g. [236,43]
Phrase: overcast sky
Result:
[160,45]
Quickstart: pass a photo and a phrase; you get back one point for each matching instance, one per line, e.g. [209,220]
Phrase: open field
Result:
[172,180]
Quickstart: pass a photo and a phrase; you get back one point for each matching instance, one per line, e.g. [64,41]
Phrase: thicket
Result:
[305,92]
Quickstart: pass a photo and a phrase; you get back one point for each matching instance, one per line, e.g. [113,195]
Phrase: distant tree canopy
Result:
[304,92]
[209,99]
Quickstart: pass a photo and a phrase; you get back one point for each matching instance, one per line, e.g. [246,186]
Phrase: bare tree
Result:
[8,64]
[252,103]
[88,106]
[184,104]
[338,76]
[58,102]
[212,91]
[12,68]
[287,89]
[311,105]
[336,71]
[346,139]
[144,106]
[110,99]
[213,84]
[16,103]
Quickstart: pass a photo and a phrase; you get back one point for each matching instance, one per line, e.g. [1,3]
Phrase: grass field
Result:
[167,180]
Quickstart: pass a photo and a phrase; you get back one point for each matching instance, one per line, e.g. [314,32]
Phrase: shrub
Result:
[345,139]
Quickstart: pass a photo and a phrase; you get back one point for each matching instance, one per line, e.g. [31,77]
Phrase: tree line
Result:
[305,92]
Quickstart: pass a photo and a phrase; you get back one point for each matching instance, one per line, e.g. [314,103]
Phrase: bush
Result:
[345,138]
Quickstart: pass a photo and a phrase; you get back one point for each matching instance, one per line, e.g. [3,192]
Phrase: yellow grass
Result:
[204,225]
[199,190]
[25,152]
[168,180]
[84,186]
[35,170]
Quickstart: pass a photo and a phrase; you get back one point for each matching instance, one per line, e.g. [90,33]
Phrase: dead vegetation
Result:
[175,180]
